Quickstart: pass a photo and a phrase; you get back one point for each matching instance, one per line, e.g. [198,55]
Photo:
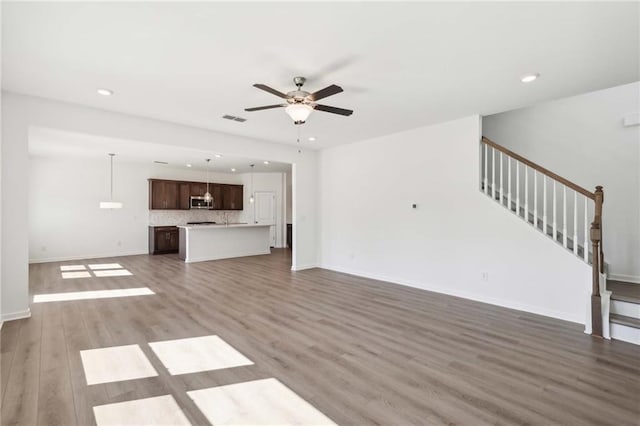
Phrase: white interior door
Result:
[265,212]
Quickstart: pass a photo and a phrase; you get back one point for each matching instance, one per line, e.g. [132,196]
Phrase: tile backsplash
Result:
[181,217]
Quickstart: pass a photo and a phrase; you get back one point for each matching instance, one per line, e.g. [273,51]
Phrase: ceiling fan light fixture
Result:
[298,112]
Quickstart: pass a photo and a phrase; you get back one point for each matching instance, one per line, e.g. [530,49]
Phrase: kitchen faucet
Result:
[226,218]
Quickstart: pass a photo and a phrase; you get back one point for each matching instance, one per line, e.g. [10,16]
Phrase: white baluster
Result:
[586,231]
[486,170]
[501,180]
[509,183]
[564,216]
[517,188]
[526,193]
[555,222]
[493,173]
[575,223]
[535,198]
[544,204]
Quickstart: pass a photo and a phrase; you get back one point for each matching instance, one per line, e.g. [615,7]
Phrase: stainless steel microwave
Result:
[199,203]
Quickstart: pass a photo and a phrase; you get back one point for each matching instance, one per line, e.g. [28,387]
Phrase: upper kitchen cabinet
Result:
[176,195]
[185,195]
[216,193]
[198,189]
[232,197]
[164,195]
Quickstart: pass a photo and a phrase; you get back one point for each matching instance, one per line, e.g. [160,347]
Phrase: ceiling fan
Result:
[300,103]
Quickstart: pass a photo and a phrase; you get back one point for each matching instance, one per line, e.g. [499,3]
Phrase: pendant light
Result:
[111,204]
[251,198]
[207,196]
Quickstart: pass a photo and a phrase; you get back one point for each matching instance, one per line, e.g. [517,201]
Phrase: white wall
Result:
[22,112]
[1,317]
[288,214]
[369,228]
[582,139]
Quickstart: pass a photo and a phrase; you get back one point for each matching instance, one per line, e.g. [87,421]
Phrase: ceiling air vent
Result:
[234,118]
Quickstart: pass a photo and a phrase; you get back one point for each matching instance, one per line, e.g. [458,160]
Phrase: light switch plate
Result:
[632,119]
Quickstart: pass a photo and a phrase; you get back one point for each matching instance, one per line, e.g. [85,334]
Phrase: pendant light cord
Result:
[111,189]
[208,163]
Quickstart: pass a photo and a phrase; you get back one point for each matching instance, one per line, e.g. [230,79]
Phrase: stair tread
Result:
[624,291]
[624,320]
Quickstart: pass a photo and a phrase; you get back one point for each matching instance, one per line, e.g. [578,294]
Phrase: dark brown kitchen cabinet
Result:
[163,239]
[185,195]
[164,195]
[198,189]
[216,193]
[176,195]
[232,197]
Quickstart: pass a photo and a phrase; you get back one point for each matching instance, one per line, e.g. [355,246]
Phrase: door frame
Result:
[276,220]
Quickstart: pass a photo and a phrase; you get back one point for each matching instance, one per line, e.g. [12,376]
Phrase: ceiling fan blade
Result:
[323,93]
[265,107]
[333,110]
[270,90]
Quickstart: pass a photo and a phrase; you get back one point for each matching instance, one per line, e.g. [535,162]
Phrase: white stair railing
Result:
[585,242]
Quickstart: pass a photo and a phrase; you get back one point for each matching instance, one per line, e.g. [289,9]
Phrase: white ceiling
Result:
[54,143]
[402,65]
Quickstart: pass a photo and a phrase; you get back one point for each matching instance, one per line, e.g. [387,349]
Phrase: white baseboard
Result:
[303,267]
[87,256]
[465,295]
[621,277]
[16,315]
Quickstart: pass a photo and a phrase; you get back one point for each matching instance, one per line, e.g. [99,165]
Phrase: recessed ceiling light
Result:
[265,162]
[233,170]
[218,155]
[312,138]
[105,92]
[188,165]
[529,78]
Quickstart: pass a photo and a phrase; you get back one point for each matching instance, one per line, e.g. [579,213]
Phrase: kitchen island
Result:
[198,243]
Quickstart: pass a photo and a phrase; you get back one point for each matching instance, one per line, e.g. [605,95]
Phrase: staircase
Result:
[572,217]
[625,311]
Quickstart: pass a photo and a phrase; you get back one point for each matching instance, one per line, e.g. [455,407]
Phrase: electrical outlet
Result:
[484,276]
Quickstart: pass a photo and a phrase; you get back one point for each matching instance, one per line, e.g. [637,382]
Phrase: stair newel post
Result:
[599,200]
[596,304]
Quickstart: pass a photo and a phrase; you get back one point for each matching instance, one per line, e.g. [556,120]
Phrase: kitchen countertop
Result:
[222,225]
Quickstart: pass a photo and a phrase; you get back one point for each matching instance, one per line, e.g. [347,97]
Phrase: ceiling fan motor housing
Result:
[299,81]
[297,96]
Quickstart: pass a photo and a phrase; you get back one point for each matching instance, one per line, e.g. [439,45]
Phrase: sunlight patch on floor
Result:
[93,294]
[259,402]
[115,364]
[112,273]
[73,268]
[197,354]
[105,266]
[98,270]
[75,274]
[159,410]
